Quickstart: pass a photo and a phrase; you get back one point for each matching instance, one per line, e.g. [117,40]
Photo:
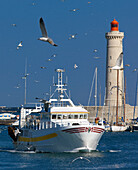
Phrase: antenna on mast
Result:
[60,83]
[53,80]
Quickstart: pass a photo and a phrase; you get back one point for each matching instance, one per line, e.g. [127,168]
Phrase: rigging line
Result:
[91,88]
[135,96]
[53,93]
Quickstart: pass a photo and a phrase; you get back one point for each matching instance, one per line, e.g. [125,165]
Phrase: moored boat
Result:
[61,127]
[115,128]
[7,116]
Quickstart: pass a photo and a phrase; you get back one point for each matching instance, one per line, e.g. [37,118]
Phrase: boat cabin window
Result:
[70,116]
[85,116]
[59,116]
[54,116]
[81,117]
[75,116]
[65,116]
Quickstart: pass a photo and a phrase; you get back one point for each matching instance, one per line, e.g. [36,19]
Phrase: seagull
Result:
[118,62]
[128,65]
[43,67]
[19,45]
[18,86]
[49,59]
[36,81]
[44,33]
[135,69]
[74,10]
[96,57]
[54,55]
[75,66]
[81,158]
[95,50]
[24,77]
[14,25]
[73,36]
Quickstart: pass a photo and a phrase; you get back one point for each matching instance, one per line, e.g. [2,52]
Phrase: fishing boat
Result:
[61,127]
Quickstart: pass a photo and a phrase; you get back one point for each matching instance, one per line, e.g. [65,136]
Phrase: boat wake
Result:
[114,150]
[15,151]
[111,151]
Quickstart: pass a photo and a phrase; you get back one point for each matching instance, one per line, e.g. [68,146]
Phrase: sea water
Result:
[116,150]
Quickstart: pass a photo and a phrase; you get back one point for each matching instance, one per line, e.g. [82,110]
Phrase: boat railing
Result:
[45,125]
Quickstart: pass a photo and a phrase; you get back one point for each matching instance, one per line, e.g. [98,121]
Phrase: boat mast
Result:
[136,95]
[96,92]
[125,101]
[60,83]
[117,98]
[25,85]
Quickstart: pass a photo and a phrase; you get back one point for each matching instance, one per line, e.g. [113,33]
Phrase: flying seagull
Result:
[74,10]
[14,25]
[118,62]
[96,57]
[75,66]
[54,55]
[44,33]
[73,36]
[95,50]
[43,67]
[19,45]
[128,65]
[135,69]
[49,59]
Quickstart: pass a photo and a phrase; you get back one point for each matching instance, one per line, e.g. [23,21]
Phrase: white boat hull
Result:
[69,139]
[118,128]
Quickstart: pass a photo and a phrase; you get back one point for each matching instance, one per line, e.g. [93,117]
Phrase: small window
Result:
[109,83]
[110,57]
[75,116]
[85,116]
[64,116]
[70,116]
[53,116]
[81,116]
[59,116]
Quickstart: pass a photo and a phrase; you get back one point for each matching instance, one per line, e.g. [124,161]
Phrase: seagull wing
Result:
[42,27]
[119,60]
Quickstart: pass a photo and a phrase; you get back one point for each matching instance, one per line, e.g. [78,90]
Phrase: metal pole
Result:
[117,98]
[135,96]
[125,101]
[25,82]
[96,92]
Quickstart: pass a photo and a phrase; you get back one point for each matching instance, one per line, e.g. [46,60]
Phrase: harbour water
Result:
[116,150]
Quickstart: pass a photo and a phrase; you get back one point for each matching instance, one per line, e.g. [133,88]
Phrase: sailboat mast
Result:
[25,86]
[95,87]
[125,101]
[117,98]
[96,91]
[135,96]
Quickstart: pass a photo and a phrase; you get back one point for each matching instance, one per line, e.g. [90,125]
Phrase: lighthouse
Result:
[114,78]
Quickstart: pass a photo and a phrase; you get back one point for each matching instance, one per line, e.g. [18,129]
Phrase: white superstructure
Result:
[62,126]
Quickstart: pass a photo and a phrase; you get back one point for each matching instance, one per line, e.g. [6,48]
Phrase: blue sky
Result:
[90,22]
